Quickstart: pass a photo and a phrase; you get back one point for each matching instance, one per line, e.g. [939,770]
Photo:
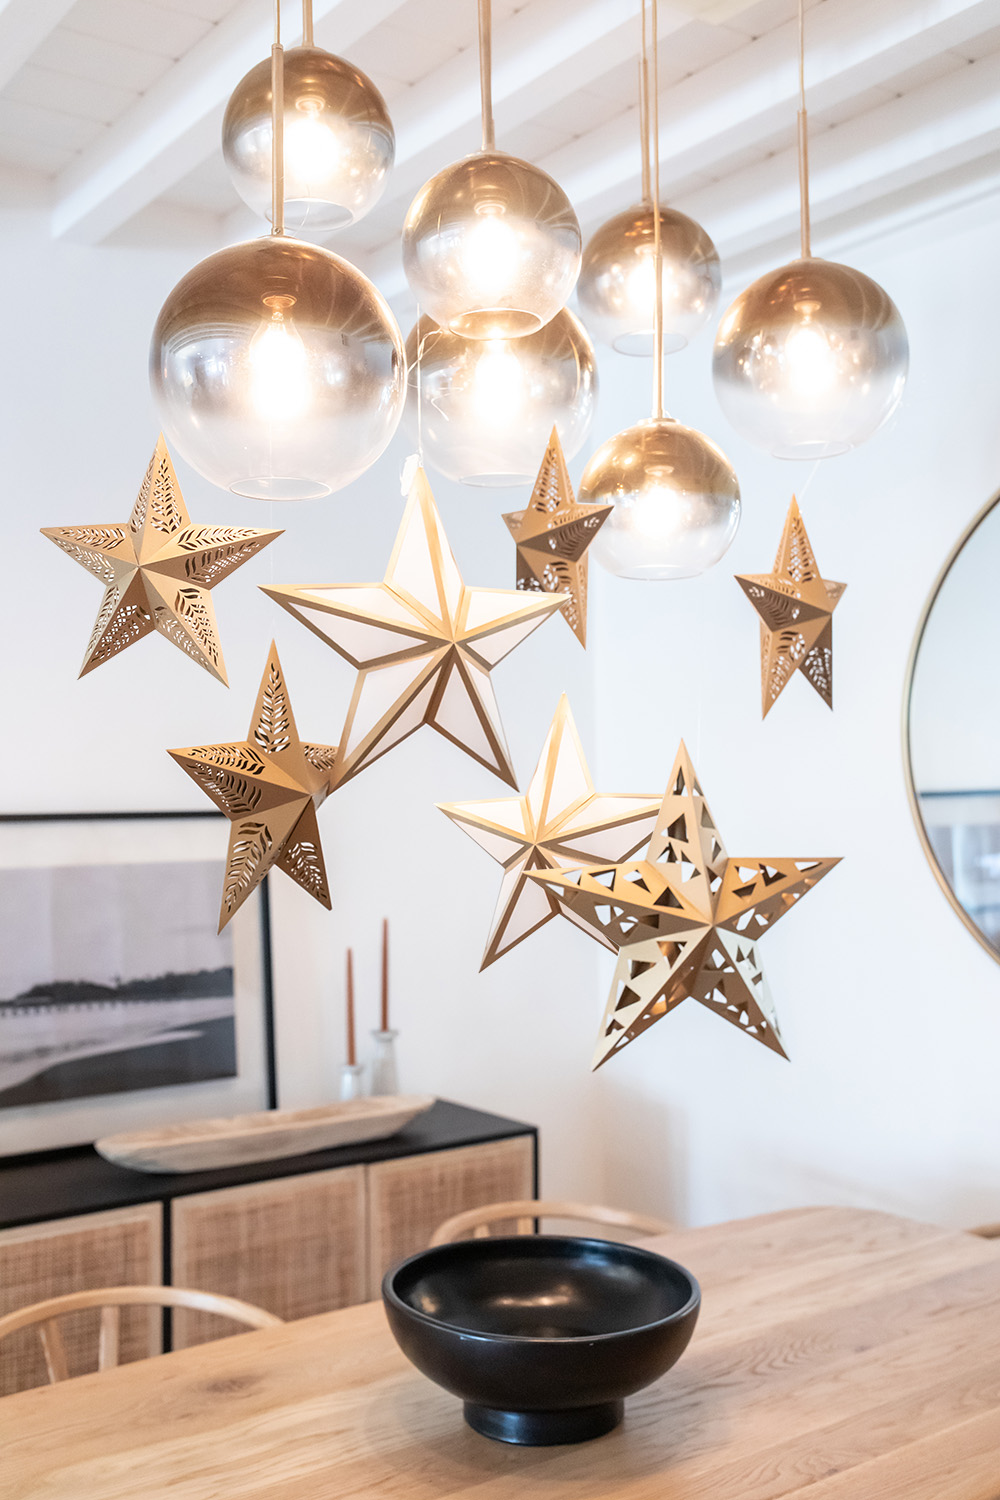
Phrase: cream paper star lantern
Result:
[684,920]
[559,821]
[424,645]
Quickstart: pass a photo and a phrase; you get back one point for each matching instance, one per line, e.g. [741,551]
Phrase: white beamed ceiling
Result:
[111,109]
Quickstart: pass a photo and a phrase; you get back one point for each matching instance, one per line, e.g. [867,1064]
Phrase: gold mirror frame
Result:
[911,790]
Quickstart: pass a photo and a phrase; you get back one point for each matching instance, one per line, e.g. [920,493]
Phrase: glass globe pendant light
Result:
[812,358]
[338,140]
[491,245]
[616,290]
[676,498]
[481,410]
[277,368]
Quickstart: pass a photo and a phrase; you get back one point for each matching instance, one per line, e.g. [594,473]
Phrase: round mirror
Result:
[952,728]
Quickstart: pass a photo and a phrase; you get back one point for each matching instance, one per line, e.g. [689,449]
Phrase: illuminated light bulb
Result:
[810,360]
[618,280]
[491,247]
[676,501]
[481,410]
[260,336]
[339,143]
[279,383]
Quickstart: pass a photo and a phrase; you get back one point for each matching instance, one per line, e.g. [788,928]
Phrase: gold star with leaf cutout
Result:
[552,536]
[423,643]
[559,821]
[685,920]
[796,608]
[157,569]
[269,786]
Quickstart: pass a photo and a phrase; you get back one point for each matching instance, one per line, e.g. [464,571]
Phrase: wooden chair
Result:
[475,1222]
[110,1300]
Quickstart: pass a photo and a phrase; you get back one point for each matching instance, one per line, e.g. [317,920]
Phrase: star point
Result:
[558,821]
[795,604]
[157,569]
[423,644]
[552,536]
[684,920]
[269,786]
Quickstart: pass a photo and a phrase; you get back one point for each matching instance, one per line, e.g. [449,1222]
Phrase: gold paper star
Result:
[424,645]
[560,821]
[685,920]
[269,786]
[157,570]
[552,538]
[796,610]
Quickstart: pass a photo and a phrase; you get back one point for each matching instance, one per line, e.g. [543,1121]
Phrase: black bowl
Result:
[542,1336]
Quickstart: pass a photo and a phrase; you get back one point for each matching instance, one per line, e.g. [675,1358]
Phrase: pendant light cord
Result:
[307,23]
[277,127]
[653,114]
[644,110]
[486,72]
[803,141]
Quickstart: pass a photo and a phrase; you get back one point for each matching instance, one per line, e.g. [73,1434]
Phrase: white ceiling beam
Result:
[746,97]
[750,95]
[177,123]
[940,127]
[24,25]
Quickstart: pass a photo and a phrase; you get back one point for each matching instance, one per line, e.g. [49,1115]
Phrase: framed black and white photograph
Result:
[121,1005]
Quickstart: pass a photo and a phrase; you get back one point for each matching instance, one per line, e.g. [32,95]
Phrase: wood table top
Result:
[841,1354]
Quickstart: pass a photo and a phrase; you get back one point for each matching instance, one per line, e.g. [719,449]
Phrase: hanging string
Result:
[803,141]
[486,72]
[307,23]
[277,127]
[421,338]
[644,108]
[653,111]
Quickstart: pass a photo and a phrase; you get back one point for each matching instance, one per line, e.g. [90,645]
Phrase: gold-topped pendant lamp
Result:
[812,358]
[338,140]
[277,368]
[676,498]
[491,245]
[616,289]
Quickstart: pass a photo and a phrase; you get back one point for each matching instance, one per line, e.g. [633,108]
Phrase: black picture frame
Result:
[131,1036]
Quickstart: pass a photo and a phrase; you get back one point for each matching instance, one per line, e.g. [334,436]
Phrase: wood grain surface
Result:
[841,1355]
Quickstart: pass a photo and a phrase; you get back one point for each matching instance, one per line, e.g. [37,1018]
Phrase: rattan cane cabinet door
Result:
[121,1247]
[409,1197]
[295,1246]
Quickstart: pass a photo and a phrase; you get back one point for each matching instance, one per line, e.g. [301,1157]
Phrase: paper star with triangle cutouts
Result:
[423,643]
[269,786]
[157,569]
[685,920]
[560,821]
[796,610]
[552,536]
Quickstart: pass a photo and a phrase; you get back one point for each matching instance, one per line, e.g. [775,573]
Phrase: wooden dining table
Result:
[841,1354]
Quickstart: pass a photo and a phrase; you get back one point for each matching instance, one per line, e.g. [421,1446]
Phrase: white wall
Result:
[78,430]
[890,1011]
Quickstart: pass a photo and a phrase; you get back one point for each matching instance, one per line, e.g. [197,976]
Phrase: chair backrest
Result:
[110,1300]
[476,1222]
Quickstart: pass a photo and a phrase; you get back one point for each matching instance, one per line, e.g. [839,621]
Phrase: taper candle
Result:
[385,973]
[351,1047]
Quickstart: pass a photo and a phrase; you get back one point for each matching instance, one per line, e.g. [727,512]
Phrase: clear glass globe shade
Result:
[491,247]
[482,410]
[810,360]
[278,370]
[617,286]
[338,140]
[676,501]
